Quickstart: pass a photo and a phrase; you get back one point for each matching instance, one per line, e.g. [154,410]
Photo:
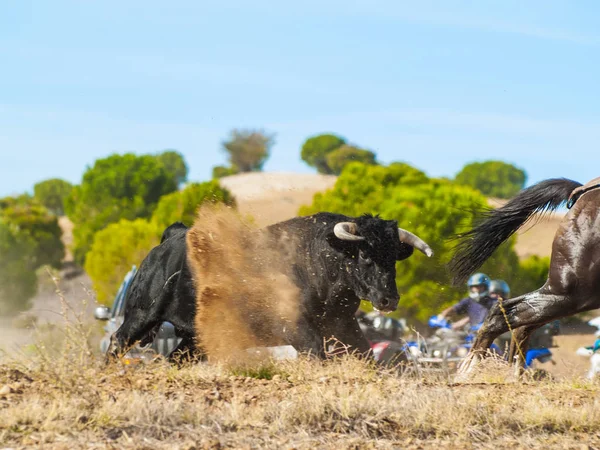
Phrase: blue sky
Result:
[436,84]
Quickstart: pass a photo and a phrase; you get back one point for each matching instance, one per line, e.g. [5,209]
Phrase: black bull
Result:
[573,283]
[340,260]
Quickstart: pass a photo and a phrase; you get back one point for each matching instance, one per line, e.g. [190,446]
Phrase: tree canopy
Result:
[117,187]
[316,148]
[175,164]
[35,223]
[248,150]
[113,252]
[29,239]
[18,282]
[181,206]
[329,153]
[493,178]
[52,193]
[224,171]
[338,158]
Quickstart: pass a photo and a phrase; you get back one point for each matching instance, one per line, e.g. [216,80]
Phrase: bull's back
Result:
[161,263]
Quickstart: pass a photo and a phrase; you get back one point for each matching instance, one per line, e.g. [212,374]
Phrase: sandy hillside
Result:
[273,197]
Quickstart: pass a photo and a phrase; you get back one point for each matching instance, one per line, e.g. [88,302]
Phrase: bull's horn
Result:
[415,241]
[346,231]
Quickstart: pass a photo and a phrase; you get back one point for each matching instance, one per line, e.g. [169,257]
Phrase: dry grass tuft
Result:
[70,401]
[61,396]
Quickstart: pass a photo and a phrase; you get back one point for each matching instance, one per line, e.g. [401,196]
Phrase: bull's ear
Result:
[404,251]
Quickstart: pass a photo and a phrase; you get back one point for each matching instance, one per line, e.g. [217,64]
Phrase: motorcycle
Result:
[385,337]
[447,346]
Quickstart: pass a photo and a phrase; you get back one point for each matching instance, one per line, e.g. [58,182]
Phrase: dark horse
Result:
[573,283]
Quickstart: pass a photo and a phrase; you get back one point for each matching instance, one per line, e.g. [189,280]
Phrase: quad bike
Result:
[443,351]
[385,337]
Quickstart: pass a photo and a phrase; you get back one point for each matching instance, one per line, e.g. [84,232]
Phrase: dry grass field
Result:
[62,397]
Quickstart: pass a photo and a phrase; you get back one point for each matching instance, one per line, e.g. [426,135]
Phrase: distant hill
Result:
[273,197]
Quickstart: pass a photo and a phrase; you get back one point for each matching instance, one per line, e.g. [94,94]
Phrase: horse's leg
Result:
[530,310]
[519,345]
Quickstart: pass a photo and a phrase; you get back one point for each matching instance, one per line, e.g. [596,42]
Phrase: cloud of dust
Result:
[244,296]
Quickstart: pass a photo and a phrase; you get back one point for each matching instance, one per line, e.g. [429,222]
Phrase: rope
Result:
[512,333]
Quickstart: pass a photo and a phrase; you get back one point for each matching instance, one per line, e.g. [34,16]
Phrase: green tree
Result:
[114,250]
[182,205]
[36,224]
[338,158]
[117,187]
[316,148]
[29,239]
[18,282]
[175,164]
[493,178]
[434,209]
[52,193]
[248,150]
[223,171]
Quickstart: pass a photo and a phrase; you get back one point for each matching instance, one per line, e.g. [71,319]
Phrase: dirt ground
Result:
[302,404]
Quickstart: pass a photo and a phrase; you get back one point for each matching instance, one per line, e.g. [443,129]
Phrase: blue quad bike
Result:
[447,347]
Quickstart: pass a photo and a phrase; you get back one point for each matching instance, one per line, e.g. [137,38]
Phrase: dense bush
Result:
[117,187]
[114,250]
[181,206]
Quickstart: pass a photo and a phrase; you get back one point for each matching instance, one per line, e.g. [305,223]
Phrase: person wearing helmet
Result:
[499,289]
[475,306]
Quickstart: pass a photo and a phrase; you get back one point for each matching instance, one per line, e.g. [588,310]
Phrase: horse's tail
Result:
[496,225]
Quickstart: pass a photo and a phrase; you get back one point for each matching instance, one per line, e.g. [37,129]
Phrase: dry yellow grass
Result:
[294,404]
[63,397]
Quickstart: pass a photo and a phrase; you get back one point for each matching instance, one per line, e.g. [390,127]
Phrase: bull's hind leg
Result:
[136,326]
[530,311]
[186,351]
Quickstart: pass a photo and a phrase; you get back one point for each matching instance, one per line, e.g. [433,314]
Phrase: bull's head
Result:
[374,246]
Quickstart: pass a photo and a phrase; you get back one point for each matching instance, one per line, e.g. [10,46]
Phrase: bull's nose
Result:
[386,304]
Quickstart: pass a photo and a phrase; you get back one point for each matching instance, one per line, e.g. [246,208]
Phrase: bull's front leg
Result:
[306,338]
[345,334]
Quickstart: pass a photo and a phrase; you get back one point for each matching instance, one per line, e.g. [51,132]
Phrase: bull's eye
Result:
[364,258]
